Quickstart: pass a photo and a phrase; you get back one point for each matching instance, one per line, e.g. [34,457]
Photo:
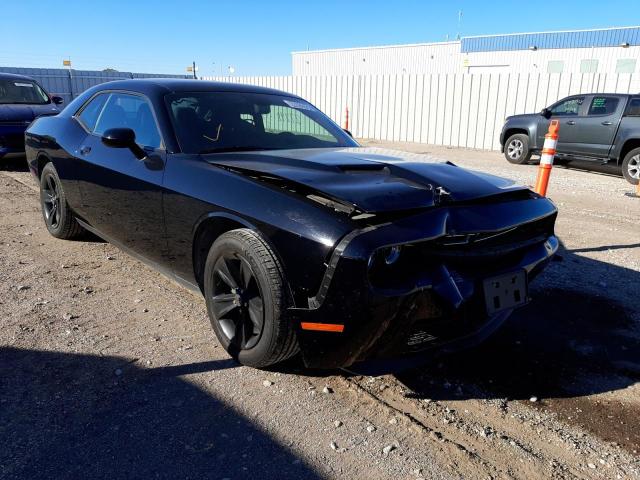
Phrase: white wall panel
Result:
[462,110]
[447,57]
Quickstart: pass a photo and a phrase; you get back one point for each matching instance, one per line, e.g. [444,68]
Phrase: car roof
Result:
[600,94]
[15,76]
[174,85]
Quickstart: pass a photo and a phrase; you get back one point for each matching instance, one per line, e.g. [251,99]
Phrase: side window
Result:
[633,110]
[130,111]
[555,66]
[589,65]
[626,65]
[249,118]
[90,113]
[282,119]
[603,105]
[568,107]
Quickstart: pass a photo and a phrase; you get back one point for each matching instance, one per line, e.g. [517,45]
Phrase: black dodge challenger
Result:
[298,238]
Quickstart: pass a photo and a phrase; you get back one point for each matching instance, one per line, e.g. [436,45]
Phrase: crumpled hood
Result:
[371,179]
[25,113]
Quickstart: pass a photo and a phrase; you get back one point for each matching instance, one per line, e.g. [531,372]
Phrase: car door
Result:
[568,112]
[597,128]
[121,195]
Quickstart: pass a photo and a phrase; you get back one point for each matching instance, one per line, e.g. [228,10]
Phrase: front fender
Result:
[527,124]
[302,233]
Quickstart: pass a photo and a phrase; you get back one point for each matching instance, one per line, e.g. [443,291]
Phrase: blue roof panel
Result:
[580,39]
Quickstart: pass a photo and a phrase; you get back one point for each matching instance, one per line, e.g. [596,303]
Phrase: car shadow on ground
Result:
[80,416]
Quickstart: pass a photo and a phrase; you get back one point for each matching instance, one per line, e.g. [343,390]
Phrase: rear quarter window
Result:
[633,110]
[603,105]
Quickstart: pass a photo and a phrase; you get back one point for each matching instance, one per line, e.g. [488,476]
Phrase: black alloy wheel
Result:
[237,301]
[58,217]
[51,202]
[247,299]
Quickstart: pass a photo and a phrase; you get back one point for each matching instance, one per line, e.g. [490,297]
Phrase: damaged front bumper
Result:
[433,297]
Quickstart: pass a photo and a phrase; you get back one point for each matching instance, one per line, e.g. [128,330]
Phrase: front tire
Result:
[246,296]
[516,149]
[631,166]
[57,215]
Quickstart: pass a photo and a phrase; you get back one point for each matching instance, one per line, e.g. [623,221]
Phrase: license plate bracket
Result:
[505,291]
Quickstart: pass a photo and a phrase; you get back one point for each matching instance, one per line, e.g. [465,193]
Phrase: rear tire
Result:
[631,166]
[57,215]
[516,149]
[246,295]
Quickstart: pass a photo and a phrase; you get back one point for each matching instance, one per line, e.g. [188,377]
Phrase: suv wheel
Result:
[516,149]
[631,166]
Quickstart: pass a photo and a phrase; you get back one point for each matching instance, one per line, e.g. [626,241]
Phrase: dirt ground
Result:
[108,370]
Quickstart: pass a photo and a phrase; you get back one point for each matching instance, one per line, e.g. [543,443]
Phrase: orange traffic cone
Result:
[546,159]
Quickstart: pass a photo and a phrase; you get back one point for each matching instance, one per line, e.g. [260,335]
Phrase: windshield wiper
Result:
[237,148]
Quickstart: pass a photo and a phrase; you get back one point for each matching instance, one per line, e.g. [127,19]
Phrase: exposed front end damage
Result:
[432,295]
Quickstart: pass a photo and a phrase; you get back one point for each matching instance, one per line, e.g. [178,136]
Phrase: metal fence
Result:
[460,110]
[68,84]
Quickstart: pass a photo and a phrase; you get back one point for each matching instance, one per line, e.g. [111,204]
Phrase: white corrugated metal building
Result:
[610,50]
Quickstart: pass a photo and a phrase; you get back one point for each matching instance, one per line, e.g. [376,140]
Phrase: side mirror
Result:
[348,132]
[546,113]
[57,100]
[123,138]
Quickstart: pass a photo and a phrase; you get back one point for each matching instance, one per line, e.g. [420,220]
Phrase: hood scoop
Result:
[365,168]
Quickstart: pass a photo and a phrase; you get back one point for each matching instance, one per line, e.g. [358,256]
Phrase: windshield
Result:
[22,91]
[210,122]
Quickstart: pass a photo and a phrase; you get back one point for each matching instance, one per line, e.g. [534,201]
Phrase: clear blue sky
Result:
[257,37]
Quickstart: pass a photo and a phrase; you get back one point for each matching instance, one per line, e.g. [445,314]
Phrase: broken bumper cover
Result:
[435,301]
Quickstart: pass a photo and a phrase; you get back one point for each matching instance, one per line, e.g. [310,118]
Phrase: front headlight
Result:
[389,255]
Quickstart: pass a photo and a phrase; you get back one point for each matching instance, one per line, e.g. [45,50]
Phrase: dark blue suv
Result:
[22,99]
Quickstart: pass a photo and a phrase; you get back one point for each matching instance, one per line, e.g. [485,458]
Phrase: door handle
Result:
[571,122]
[607,123]
[84,150]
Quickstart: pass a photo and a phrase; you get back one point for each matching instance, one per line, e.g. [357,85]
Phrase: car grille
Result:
[488,251]
[485,242]
[474,255]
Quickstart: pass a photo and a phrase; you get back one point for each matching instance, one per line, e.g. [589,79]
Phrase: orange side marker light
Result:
[323,327]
